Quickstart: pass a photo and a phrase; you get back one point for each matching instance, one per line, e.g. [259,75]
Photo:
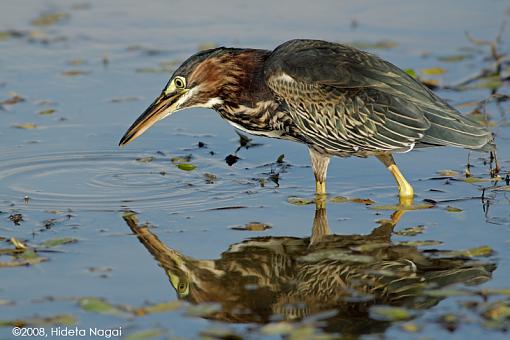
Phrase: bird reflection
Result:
[269,278]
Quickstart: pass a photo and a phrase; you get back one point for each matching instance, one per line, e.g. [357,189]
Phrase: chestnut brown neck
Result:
[236,76]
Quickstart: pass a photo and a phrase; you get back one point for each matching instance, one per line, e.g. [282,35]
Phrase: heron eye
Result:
[182,287]
[180,83]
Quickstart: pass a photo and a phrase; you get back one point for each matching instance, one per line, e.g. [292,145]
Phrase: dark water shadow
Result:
[334,278]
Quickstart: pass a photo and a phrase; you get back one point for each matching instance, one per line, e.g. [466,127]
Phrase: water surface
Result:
[127,213]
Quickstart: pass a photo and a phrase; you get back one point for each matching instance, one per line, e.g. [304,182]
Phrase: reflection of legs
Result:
[320,227]
[320,164]
[386,226]
[396,216]
[405,189]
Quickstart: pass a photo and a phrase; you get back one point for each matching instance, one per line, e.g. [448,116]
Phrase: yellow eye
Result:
[180,82]
[182,287]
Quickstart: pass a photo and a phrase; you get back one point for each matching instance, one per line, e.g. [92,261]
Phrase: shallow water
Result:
[103,63]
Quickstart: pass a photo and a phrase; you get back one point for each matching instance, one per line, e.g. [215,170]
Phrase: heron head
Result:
[207,79]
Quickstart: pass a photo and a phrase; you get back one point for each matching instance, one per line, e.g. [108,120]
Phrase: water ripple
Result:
[104,181]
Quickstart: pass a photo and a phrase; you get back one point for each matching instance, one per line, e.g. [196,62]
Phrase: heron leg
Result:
[320,164]
[404,188]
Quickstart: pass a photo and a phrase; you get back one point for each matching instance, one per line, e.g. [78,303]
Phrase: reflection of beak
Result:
[174,263]
[162,106]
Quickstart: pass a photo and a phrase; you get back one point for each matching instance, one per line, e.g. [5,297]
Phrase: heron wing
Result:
[345,99]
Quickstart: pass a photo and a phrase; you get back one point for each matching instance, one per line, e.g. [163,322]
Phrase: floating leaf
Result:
[300,201]
[425,205]
[366,201]
[453,209]
[60,319]
[309,332]
[48,19]
[497,310]
[96,305]
[278,328]
[158,308]
[501,188]
[12,33]
[430,83]
[412,73]
[339,199]
[75,73]
[448,173]
[58,241]
[210,178]
[473,252]
[186,166]
[77,61]
[253,226]
[24,258]
[421,243]
[220,333]
[29,255]
[453,58]
[125,99]
[4,302]
[203,310]
[25,126]
[280,159]
[410,327]
[14,99]
[387,313]
[47,112]
[481,180]
[146,159]
[491,83]
[433,71]
[495,291]
[342,199]
[411,231]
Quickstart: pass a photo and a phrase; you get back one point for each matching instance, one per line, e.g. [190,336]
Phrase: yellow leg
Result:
[405,189]
[320,187]
[320,164]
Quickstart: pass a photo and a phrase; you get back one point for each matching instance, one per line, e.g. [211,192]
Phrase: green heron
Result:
[336,99]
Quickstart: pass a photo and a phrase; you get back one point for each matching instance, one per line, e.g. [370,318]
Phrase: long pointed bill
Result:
[159,109]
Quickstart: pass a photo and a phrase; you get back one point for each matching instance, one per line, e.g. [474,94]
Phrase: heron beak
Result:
[162,107]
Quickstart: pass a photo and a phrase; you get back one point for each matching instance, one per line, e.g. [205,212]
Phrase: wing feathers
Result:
[348,100]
